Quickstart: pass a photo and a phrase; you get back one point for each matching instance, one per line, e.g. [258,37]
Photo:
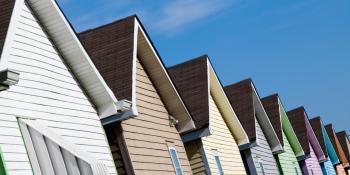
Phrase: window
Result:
[218,162]
[262,167]
[296,171]
[175,161]
[50,154]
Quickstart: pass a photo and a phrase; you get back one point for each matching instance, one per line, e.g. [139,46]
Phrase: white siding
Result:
[48,92]
[264,153]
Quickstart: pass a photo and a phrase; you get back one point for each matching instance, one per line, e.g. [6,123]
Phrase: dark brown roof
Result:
[111,49]
[271,106]
[297,119]
[191,80]
[6,8]
[344,142]
[316,124]
[336,144]
[240,96]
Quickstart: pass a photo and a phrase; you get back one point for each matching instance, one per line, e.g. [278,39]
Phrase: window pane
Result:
[176,161]
[218,163]
[262,168]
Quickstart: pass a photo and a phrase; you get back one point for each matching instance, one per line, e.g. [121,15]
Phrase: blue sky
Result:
[297,48]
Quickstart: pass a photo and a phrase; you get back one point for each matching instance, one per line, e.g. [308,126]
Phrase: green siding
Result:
[290,134]
[287,161]
[3,170]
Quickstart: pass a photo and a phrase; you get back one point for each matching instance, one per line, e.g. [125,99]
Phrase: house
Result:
[264,143]
[145,136]
[327,147]
[288,160]
[308,140]
[345,144]
[213,147]
[344,164]
[52,96]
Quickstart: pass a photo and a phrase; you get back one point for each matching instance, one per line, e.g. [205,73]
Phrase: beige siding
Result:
[147,135]
[195,157]
[48,92]
[222,141]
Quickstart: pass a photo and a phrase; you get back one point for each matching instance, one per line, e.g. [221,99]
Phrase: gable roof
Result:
[317,125]
[344,142]
[196,80]
[115,48]
[66,41]
[272,108]
[6,9]
[336,144]
[324,139]
[302,127]
[246,102]
[279,119]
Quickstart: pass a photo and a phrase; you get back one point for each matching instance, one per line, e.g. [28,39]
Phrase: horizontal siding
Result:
[195,157]
[222,141]
[328,168]
[340,170]
[287,160]
[263,153]
[312,163]
[147,134]
[48,92]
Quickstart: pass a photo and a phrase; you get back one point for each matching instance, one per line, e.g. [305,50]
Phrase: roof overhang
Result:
[150,58]
[265,123]
[225,107]
[75,56]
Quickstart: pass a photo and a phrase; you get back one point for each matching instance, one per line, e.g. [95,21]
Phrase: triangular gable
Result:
[302,127]
[272,108]
[115,48]
[336,144]
[195,80]
[316,124]
[345,143]
[246,101]
[324,139]
[278,117]
[66,41]
[6,10]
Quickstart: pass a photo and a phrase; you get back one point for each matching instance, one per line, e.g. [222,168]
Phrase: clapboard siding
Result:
[340,169]
[47,91]
[146,135]
[222,141]
[327,168]
[263,153]
[312,163]
[195,157]
[287,160]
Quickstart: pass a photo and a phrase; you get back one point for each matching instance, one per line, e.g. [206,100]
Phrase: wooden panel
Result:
[312,163]
[222,141]
[263,153]
[195,158]
[146,135]
[287,160]
[47,91]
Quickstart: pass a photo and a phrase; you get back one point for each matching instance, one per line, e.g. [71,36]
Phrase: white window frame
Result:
[55,151]
[218,162]
[261,167]
[173,159]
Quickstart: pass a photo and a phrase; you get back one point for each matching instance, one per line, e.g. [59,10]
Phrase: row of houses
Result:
[102,102]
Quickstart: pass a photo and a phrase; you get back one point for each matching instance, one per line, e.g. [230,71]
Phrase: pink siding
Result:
[311,165]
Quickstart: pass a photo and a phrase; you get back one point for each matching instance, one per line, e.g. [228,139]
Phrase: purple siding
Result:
[314,142]
[311,166]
